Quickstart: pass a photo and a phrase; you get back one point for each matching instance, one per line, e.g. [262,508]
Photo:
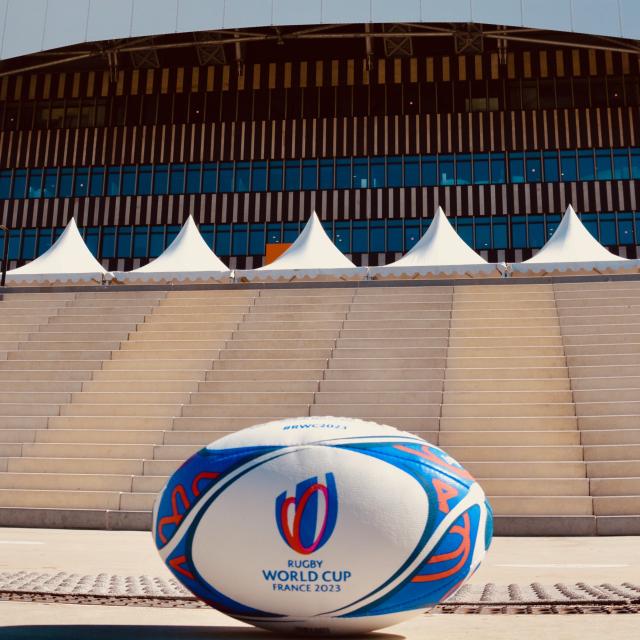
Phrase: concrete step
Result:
[159,375]
[28,498]
[273,354]
[141,347]
[384,374]
[139,409]
[62,346]
[612,452]
[242,376]
[515,410]
[611,436]
[519,487]
[33,397]
[271,411]
[614,469]
[608,408]
[524,363]
[378,397]
[369,411]
[108,398]
[9,387]
[77,466]
[253,397]
[258,386]
[507,385]
[387,363]
[503,396]
[235,364]
[377,386]
[549,453]
[67,482]
[134,423]
[81,450]
[60,355]
[29,409]
[139,386]
[99,436]
[157,364]
[542,506]
[509,438]
[506,373]
[527,469]
[507,423]
[614,486]
[151,355]
[617,505]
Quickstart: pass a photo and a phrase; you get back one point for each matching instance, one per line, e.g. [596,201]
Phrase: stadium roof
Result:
[31,26]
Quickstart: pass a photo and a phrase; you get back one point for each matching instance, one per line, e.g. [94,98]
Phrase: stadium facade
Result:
[250,114]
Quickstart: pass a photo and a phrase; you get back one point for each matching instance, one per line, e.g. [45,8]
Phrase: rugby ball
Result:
[323,525]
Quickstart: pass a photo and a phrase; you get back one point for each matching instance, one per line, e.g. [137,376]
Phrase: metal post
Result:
[5,254]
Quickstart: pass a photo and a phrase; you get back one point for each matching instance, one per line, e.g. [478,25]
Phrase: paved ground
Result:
[512,560]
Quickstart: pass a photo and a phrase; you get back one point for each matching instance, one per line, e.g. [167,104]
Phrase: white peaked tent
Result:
[440,251]
[312,255]
[188,257]
[573,248]
[67,260]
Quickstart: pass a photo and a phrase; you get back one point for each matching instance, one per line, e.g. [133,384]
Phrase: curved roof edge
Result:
[31,26]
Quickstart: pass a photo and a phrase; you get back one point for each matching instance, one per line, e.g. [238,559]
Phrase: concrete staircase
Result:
[532,387]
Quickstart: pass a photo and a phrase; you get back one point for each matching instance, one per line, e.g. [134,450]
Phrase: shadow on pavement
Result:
[148,632]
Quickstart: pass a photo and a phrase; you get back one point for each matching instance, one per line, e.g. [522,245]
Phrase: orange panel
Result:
[275,250]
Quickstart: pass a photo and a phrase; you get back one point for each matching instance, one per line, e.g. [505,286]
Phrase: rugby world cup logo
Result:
[307,519]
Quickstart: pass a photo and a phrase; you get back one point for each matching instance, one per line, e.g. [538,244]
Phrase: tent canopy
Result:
[67,259]
[312,249]
[439,246]
[572,242]
[187,253]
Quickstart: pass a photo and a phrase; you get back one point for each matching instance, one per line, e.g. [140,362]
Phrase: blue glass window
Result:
[194,171]
[309,174]
[291,232]
[360,173]
[108,242]
[274,233]
[129,181]
[429,171]
[161,179]
[590,221]
[498,169]
[35,183]
[621,164]
[96,184]
[28,244]
[635,164]
[516,168]
[536,231]
[518,232]
[225,178]
[259,176]
[394,172]
[91,238]
[172,233]
[140,236]
[377,173]
[412,171]
[44,240]
[463,170]
[50,183]
[481,173]
[552,222]
[223,240]
[395,235]
[376,236]
[210,178]
[446,171]
[292,175]
[5,184]
[482,233]
[343,173]
[603,165]
[568,171]
[500,232]
[176,179]
[19,183]
[243,177]
[326,174]
[14,245]
[113,181]
[256,240]
[156,241]
[551,169]
[625,229]
[145,174]
[124,242]
[464,227]
[608,235]
[342,237]
[276,175]
[411,233]
[239,240]
[82,183]
[586,167]
[207,231]
[65,186]
[533,167]
[359,236]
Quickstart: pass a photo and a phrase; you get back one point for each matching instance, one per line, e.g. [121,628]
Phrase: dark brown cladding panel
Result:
[373,135]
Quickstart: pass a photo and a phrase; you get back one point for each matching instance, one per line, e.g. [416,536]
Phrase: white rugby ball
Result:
[322,524]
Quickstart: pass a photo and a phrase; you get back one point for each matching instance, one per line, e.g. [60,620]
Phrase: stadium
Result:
[241,118]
